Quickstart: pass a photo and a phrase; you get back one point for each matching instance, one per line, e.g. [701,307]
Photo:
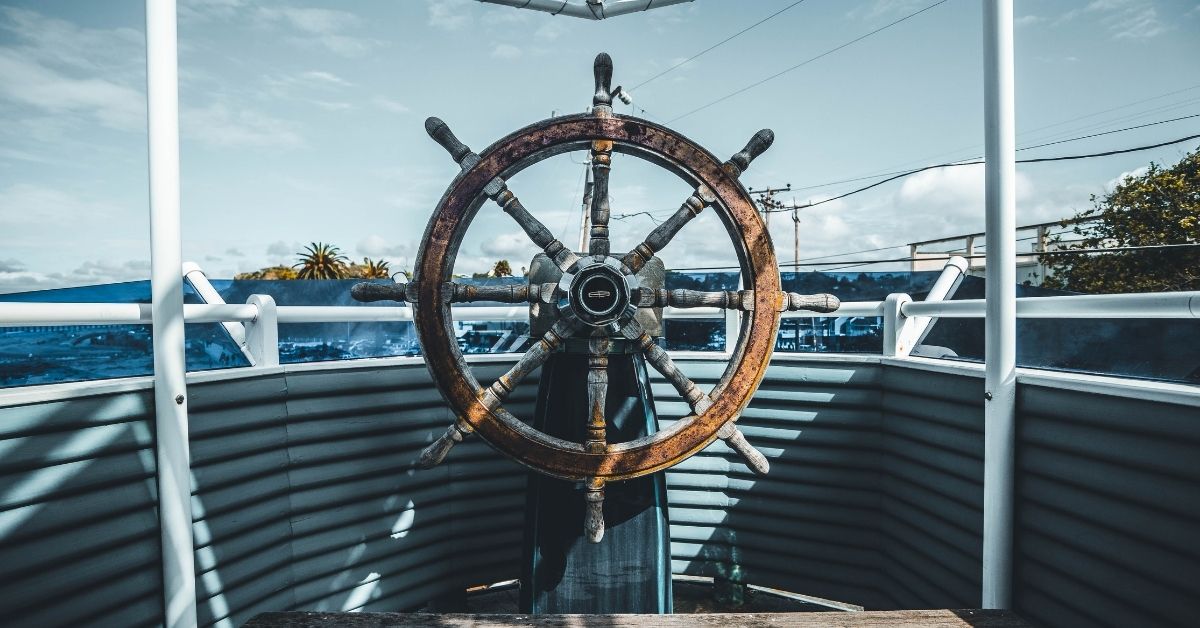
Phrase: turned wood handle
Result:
[593,516]
[737,442]
[603,69]
[366,292]
[436,452]
[755,147]
[442,134]
[824,303]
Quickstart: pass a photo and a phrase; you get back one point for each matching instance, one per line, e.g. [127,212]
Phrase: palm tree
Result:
[374,269]
[321,261]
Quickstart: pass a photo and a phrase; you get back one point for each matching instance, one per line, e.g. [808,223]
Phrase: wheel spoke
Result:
[435,453]
[498,191]
[598,243]
[701,198]
[736,441]
[494,395]
[597,383]
[736,300]
[658,358]
[457,293]
[593,517]
[534,228]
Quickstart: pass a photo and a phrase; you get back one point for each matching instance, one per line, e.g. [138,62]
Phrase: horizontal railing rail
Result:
[1140,305]
[254,324]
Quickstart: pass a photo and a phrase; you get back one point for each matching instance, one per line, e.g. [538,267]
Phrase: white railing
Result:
[254,325]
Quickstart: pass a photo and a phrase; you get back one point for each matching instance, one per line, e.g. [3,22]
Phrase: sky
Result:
[302,121]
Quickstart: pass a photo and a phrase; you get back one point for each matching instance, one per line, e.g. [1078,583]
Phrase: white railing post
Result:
[896,325]
[262,333]
[199,281]
[912,334]
[1000,327]
[172,454]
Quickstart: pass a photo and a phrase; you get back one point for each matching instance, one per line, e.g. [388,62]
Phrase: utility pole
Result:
[585,221]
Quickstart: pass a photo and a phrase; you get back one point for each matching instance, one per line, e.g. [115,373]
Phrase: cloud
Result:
[376,246]
[514,244]
[1123,19]
[11,265]
[319,77]
[29,83]
[234,252]
[91,272]
[326,26]
[63,44]
[33,204]
[1121,178]
[205,10]
[330,105]
[956,190]
[448,15]
[389,105]
[1029,20]
[506,51]
[282,253]
[218,124]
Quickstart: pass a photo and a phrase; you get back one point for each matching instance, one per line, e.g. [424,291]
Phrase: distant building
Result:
[1032,240]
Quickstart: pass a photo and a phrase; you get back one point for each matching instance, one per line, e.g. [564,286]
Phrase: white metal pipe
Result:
[1000,327]
[204,288]
[53,314]
[1112,306]
[343,314]
[166,287]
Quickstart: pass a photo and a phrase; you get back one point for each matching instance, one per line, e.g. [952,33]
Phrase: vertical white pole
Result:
[166,281]
[1000,326]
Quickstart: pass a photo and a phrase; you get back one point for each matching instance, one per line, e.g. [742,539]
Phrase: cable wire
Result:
[808,61]
[716,45]
[980,161]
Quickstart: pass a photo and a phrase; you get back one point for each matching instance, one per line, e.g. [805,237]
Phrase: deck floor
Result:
[866,619]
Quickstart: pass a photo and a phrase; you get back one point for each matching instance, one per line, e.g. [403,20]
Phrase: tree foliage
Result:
[502,269]
[1159,207]
[270,272]
[370,269]
[322,261]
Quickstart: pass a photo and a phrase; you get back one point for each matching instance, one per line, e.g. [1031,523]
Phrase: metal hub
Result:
[598,292]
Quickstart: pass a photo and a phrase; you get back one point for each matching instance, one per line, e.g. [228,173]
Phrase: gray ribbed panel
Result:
[78,531]
[810,525]
[931,515]
[307,498]
[1108,513]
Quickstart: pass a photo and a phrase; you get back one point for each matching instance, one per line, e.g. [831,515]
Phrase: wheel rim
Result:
[501,429]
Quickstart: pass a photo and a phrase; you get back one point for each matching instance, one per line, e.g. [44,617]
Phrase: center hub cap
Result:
[598,293]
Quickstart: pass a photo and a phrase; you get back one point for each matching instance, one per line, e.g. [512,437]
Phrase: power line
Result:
[716,45]
[892,169]
[808,61]
[856,263]
[1073,139]
[980,161]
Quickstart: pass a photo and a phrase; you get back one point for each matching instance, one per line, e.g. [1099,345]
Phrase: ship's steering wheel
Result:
[597,296]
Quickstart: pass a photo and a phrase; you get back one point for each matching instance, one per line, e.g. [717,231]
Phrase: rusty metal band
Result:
[501,429]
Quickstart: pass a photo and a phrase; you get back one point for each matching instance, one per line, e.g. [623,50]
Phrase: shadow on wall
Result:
[811,525]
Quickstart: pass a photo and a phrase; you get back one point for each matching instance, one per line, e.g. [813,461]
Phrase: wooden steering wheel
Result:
[597,296]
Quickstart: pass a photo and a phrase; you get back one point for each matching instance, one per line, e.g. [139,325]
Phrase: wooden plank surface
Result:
[869,619]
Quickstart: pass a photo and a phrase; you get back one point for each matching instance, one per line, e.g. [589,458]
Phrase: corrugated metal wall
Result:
[1108,510]
[307,500]
[931,514]
[811,525]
